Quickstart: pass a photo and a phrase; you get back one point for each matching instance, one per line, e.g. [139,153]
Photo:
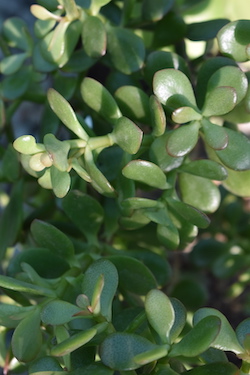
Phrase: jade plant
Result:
[138,164]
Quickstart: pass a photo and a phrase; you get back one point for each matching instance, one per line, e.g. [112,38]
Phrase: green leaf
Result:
[199,192]
[190,213]
[173,89]
[151,355]
[226,339]
[233,40]
[237,154]
[126,50]
[127,135]
[26,341]
[26,144]
[205,168]
[159,155]
[180,315]
[76,341]
[136,203]
[199,339]
[182,140]
[42,13]
[157,116]
[205,30]
[160,313]
[45,363]
[106,269]
[58,151]
[58,312]
[11,64]
[64,111]
[136,220]
[155,11]
[215,136]
[48,236]
[134,103]
[134,276]
[97,97]
[145,172]
[243,332]
[185,114]
[10,168]
[16,32]
[229,76]
[219,101]
[60,182]
[11,219]
[15,85]
[119,349]
[80,170]
[84,211]
[94,37]
[214,369]
[10,315]
[168,235]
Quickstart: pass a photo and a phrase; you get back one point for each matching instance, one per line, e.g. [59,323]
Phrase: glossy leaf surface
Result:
[215,136]
[158,117]
[205,168]
[185,114]
[127,135]
[60,181]
[145,172]
[220,101]
[94,37]
[182,140]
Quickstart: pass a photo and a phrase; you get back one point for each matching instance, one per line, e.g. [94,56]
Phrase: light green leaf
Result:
[94,37]
[119,349]
[60,181]
[127,135]
[58,151]
[226,339]
[65,112]
[219,101]
[126,50]
[21,286]
[145,172]
[160,313]
[199,339]
[182,140]
[215,136]
[97,97]
[157,115]
[185,114]
[42,13]
[12,64]
[205,168]
[17,34]
[136,203]
[173,89]
[26,144]
[80,170]
[26,341]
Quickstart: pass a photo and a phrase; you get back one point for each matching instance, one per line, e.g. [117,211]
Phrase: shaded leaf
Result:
[94,37]
[15,85]
[157,115]
[185,114]
[157,10]
[17,34]
[205,30]
[168,235]
[13,63]
[205,168]
[58,151]
[58,312]
[214,369]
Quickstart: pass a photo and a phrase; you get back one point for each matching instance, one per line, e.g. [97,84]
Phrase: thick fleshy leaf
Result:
[64,111]
[205,168]
[58,151]
[229,76]
[182,140]
[173,89]
[134,276]
[226,339]
[76,341]
[58,312]
[10,315]
[159,155]
[42,13]
[17,34]
[26,341]
[84,211]
[48,236]
[60,181]
[136,203]
[127,135]
[15,85]
[26,144]
[21,286]
[214,369]
[215,136]
[205,30]
[137,220]
[94,37]
[243,333]
[187,230]
[237,153]
[119,349]
[160,313]
[134,103]
[80,170]
[219,101]
[107,270]
[126,50]
[45,363]
[199,339]
[234,40]
[190,213]
[157,115]
[97,97]
[185,114]
[180,314]
[199,192]
[11,64]
[145,172]
[168,235]
[155,11]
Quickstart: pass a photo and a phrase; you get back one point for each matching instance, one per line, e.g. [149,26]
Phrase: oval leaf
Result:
[60,182]
[182,140]
[127,135]
[94,37]
[219,101]
[205,168]
[215,136]
[26,144]
[58,312]
[158,117]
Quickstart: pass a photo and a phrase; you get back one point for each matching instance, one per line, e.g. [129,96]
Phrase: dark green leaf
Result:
[119,349]
[45,363]
[205,30]
[27,338]
[205,168]
[134,276]
[198,339]
[58,312]
[126,50]
[157,115]
[157,10]
[168,235]
[10,315]
[94,37]
[16,33]
[84,211]
[136,220]
[215,136]
[15,85]
[234,39]
[180,314]
[243,332]
[182,140]
[136,203]
[214,369]
[145,172]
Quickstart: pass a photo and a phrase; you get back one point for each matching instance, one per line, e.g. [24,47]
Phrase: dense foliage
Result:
[124,214]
